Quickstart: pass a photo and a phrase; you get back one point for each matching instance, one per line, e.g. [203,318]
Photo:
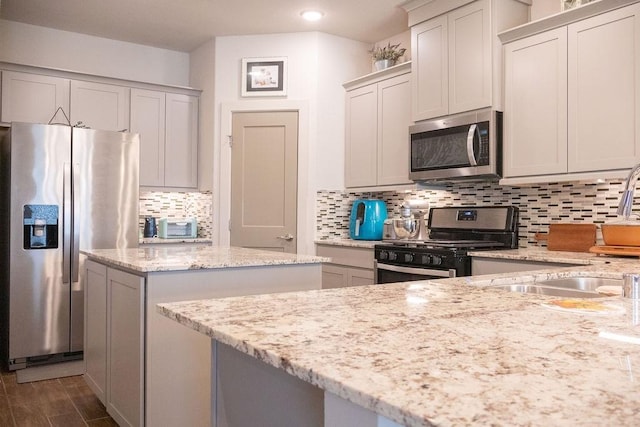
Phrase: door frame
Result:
[222,173]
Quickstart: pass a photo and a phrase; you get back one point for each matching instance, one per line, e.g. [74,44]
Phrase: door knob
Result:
[288,237]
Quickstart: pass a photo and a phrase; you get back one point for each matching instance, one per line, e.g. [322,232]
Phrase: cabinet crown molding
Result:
[423,10]
[562,19]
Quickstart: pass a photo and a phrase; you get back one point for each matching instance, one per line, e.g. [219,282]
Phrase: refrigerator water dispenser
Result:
[40,223]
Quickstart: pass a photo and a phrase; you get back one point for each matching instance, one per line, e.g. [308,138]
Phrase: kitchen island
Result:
[443,352]
[146,369]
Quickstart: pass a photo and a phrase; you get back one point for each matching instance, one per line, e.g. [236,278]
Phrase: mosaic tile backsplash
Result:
[178,205]
[540,205]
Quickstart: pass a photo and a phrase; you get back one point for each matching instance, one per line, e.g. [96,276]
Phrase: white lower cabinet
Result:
[95,328]
[349,266]
[150,370]
[114,341]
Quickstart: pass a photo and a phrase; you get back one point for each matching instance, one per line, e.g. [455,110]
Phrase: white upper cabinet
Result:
[469,36]
[99,106]
[378,114]
[33,98]
[36,98]
[604,91]
[168,128]
[456,54]
[572,97]
[181,144]
[429,56]
[148,119]
[535,119]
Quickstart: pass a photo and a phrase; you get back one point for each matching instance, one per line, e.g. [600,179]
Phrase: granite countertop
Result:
[445,353]
[175,258]
[367,244]
[161,241]
[544,255]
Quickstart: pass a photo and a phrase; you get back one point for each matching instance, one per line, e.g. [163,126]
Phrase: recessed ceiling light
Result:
[312,15]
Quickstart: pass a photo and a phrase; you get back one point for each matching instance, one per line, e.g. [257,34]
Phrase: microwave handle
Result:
[473,130]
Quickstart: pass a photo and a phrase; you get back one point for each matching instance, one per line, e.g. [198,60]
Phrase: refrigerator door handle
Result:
[76,226]
[66,223]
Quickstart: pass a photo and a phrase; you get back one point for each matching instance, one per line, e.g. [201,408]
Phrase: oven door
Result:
[387,273]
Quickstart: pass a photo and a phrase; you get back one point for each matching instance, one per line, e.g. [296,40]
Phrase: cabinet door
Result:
[535,116]
[148,119]
[181,145]
[394,112]
[95,328]
[604,91]
[33,98]
[125,351]
[100,106]
[334,276]
[469,46]
[361,137]
[429,66]
[359,277]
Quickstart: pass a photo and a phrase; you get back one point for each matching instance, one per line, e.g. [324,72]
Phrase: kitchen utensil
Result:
[406,228]
[150,228]
[569,237]
[616,250]
[388,232]
[622,233]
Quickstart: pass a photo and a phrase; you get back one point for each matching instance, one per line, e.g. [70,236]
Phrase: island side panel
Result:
[249,392]
[178,359]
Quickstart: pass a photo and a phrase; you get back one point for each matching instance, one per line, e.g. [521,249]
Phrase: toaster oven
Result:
[177,228]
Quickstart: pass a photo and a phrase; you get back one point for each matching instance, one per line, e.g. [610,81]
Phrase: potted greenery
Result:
[386,56]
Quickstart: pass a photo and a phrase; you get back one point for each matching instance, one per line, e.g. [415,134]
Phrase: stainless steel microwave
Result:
[465,146]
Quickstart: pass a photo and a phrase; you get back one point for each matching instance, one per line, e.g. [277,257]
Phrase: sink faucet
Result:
[626,202]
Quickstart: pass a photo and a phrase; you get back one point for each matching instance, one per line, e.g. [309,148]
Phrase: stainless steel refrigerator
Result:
[64,189]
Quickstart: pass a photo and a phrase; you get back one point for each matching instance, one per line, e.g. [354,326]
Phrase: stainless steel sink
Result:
[589,284]
[547,290]
[571,287]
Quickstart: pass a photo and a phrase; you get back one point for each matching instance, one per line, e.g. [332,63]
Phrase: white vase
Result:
[384,63]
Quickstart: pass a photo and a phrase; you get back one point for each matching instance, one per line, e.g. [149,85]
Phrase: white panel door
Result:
[99,106]
[604,91]
[264,180]
[535,116]
[469,42]
[148,119]
[181,144]
[33,98]
[429,67]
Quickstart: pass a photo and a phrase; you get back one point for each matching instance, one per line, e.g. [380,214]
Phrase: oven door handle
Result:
[473,129]
[417,271]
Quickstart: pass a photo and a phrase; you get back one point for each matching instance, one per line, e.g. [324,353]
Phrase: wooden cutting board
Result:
[571,237]
[616,250]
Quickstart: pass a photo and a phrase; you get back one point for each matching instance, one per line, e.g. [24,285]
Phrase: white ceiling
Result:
[184,25]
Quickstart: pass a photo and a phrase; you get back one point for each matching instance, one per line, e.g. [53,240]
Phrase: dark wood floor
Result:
[67,402]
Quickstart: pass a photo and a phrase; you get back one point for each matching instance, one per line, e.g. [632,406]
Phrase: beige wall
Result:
[45,47]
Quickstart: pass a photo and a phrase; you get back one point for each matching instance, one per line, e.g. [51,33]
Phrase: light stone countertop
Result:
[366,244]
[544,255]
[185,240]
[445,353]
[194,257]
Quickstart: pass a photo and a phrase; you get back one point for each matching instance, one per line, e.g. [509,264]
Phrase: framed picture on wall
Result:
[264,76]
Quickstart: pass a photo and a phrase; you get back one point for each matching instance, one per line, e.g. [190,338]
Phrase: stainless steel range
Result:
[453,232]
